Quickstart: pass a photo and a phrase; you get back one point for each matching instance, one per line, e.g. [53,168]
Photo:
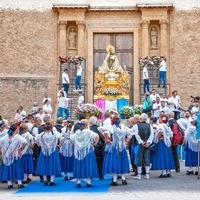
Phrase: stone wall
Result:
[184,53]
[28,66]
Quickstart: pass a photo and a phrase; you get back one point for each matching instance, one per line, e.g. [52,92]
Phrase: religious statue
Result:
[111,81]
[111,63]
[72,38]
[154,37]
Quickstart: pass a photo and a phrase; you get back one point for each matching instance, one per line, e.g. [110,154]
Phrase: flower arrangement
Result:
[153,60]
[130,111]
[70,59]
[111,91]
[89,109]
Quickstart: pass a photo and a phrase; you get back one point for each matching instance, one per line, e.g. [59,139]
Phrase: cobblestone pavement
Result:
[179,186]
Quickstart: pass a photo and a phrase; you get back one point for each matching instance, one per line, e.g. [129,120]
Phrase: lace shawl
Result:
[190,137]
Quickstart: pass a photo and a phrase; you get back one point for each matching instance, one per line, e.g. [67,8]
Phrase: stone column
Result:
[81,37]
[163,38]
[145,38]
[63,38]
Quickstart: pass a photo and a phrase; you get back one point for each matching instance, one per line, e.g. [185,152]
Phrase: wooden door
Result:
[123,43]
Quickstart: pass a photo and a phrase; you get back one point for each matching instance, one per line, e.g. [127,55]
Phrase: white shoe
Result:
[138,177]
[147,177]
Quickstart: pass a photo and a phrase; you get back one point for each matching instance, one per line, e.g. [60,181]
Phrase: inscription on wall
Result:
[113,24]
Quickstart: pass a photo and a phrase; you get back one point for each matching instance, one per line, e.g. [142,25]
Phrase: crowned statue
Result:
[111,81]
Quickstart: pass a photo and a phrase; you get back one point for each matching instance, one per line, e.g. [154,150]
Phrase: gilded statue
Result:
[110,63]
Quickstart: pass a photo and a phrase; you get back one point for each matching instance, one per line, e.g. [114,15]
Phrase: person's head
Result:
[65,70]
[59,120]
[157,99]
[38,121]
[19,111]
[46,118]
[143,117]
[47,102]
[107,114]
[80,93]
[30,118]
[40,111]
[13,130]
[23,128]
[135,119]
[62,88]
[93,120]
[48,126]
[174,93]
[82,116]
[170,114]
[83,124]
[188,113]
[116,120]
[153,91]
[61,94]
[162,103]
[35,104]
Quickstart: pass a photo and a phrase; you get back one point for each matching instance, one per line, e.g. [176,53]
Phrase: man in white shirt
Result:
[195,110]
[154,95]
[156,110]
[162,72]
[146,78]
[163,107]
[80,99]
[78,77]
[65,80]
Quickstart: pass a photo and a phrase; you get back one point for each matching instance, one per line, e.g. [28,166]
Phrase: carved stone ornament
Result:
[72,37]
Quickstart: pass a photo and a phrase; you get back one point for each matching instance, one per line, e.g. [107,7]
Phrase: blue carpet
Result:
[62,186]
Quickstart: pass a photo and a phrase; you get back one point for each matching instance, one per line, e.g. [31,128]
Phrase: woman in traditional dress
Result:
[116,158]
[162,158]
[48,161]
[11,146]
[27,153]
[85,166]
[191,156]
[67,152]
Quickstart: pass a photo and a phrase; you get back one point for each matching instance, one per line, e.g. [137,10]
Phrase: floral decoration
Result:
[89,109]
[153,60]
[70,59]
[112,91]
[130,111]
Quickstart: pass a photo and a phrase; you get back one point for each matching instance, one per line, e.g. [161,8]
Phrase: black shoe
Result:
[10,187]
[189,173]
[178,170]
[124,182]
[114,183]
[25,182]
[169,175]
[29,179]
[196,173]
[20,186]
[164,86]
[163,176]
[45,183]
[52,183]
[41,179]
[158,85]
[88,185]
[4,181]
[66,178]
[78,185]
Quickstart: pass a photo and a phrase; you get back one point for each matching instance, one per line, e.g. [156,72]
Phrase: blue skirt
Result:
[87,167]
[27,163]
[191,157]
[12,172]
[49,165]
[115,161]
[163,159]
[66,163]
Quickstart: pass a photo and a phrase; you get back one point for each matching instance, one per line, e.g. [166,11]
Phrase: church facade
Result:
[32,44]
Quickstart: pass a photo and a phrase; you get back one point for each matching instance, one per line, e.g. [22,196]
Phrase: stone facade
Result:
[33,40]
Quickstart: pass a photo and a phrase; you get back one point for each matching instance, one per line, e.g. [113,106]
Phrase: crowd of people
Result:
[90,148]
